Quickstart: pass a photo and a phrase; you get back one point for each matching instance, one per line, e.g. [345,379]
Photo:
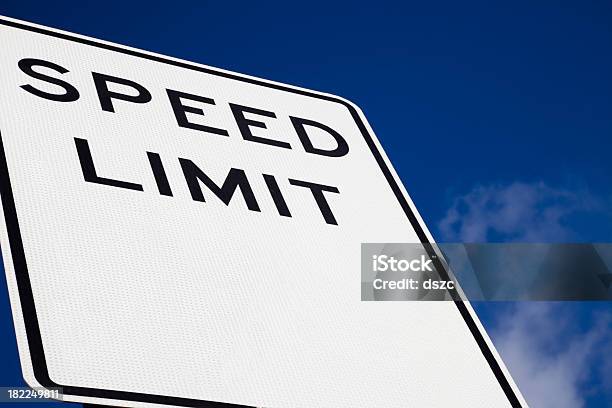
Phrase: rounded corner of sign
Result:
[38,379]
[32,381]
[352,106]
[44,383]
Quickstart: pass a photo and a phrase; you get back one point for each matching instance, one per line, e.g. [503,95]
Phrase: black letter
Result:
[317,192]
[161,179]
[106,97]
[277,196]
[89,170]
[236,178]
[298,124]
[244,123]
[26,65]
[180,110]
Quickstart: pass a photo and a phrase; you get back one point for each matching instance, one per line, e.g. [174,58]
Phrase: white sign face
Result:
[176,234]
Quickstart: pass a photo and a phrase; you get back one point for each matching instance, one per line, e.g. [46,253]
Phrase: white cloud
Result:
[526,212]
[551,361]
[554,363]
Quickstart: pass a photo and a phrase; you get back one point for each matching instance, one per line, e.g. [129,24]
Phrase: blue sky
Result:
[497,117]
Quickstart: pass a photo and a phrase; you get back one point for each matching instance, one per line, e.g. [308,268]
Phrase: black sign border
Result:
[28,308]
